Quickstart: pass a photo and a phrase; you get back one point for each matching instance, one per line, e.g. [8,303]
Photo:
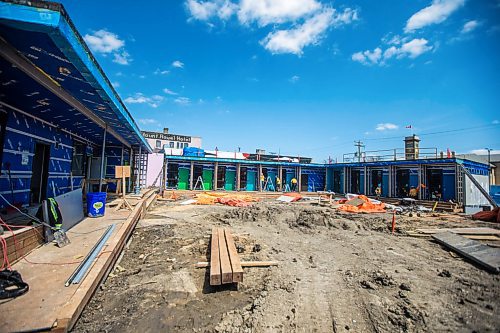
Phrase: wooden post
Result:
[365,181]
[299,179]
[164,183]
[238,176]
[103,152]
[191,175]
[280,174]
[259,178]
[216,175]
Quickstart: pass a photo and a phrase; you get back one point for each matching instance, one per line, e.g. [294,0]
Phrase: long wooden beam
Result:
[225,263]
[215,272]
[234,257]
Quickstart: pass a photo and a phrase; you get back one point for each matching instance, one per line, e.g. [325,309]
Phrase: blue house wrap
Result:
[55,106]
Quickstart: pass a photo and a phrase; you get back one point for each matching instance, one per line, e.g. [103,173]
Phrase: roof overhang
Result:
[47,70]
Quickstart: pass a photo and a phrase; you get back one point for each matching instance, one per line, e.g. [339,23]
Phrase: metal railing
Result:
[397,154]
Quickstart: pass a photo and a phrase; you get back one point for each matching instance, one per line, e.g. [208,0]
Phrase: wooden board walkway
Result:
[225,265]
[485,256]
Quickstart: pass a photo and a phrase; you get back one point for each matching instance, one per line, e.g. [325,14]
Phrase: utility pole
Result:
[360,145]
[489,165]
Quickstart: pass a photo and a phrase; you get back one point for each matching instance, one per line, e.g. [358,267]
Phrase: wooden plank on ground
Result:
[234,257]
[205,264]
[477,237]
[483,255]
[225,264]
[215,273]
[462,231]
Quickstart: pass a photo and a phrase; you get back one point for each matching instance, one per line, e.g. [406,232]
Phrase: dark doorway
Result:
[172,175]
[304,182]
[221,177]
[336,181]
[243,178]
[376,181]
[403,182]
[435,184]
[355,181]
[40,173]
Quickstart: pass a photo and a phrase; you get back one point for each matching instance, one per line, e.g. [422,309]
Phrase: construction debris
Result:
[483,255]
[489,216]
[361,204]
[206,264]
[230,199]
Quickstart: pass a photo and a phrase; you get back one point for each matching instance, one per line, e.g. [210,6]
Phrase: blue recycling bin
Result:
[96,204]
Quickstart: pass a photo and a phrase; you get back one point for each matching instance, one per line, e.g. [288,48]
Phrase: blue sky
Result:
[304,77]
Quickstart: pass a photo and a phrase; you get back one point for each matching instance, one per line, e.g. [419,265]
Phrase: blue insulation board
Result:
[22,134]
[48,39]
[315,179]
[114,158]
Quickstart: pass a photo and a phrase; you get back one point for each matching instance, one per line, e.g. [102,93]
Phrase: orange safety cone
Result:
[393,221]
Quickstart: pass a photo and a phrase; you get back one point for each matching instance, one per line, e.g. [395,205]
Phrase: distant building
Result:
[165,143]
[171,144]
[494,164]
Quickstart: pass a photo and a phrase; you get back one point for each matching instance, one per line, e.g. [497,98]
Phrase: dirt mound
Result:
[301,217]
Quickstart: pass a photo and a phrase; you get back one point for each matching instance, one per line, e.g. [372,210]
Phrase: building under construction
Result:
[407,173]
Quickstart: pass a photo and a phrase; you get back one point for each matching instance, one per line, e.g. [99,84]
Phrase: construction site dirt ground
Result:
[337,272]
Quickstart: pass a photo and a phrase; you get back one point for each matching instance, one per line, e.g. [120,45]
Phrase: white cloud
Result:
[411,49]
[415,47]
[182,101]
[105,42]
[148,121]
[470,26]
[305,20]
[139,98]
[204,10]
[495,122]
[294,79]
[115,84]
[386,126]
[122,58]
[178,64]
[266,12]
[160,72]
[294,40]
[368,57]
[437,12]
[169,92]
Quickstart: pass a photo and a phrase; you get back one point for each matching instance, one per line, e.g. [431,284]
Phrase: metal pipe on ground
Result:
[80,272]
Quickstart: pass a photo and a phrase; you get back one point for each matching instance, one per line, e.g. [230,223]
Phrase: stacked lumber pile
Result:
[22,242]
[225,265]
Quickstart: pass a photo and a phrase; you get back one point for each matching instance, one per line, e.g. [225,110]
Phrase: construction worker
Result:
[262,180]
[278,184]
[378,191]
[294,184]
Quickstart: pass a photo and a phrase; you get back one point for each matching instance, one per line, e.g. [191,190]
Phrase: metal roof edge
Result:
[229,160]
[51,18]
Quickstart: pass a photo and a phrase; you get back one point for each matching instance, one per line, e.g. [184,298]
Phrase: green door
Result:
[208,176]
[183,183]
[251,175]
[230,177]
